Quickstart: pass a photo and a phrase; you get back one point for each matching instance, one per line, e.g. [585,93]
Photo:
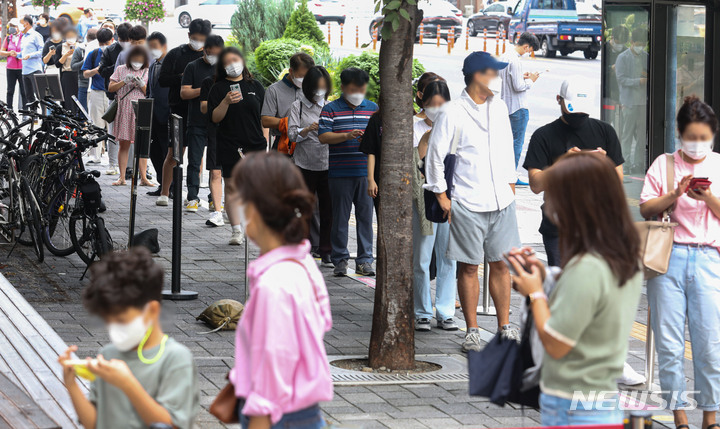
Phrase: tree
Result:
[145,11]
[255,21]
[392,341]
[45,4]
[302,26]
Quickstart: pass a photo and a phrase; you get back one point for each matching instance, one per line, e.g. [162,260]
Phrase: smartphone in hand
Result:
[698,183]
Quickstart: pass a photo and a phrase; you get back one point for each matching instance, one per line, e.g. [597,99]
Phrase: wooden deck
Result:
[29,348]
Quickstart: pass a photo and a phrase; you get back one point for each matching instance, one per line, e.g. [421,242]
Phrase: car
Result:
[435,13]
[328,10]
[72,10]
[494,18]
[587,12]
[219,12]
[454,9]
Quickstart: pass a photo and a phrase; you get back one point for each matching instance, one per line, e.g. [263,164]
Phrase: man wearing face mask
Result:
[281,95]
[196,135]
[574,131]
[157,42]
[31,46]
[515,84]
[136,37]
[171,74]
[481,208]
[110,55]
[143,376]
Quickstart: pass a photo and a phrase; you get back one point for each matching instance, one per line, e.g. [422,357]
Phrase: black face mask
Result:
[12,30]
[575,120]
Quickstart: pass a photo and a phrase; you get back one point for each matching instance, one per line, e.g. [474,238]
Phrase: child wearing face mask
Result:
[143,376]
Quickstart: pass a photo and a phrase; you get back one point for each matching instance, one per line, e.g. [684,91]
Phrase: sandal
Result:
[119,183]
[683,427]
[714,425]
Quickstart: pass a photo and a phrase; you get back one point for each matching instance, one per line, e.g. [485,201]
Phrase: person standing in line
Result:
[342,124]
[12,50]
[574,131]
[32,47]
[86,22]
[282,94]
[422,82]
[137,36]
[234,103]
[688,292]
[129,81]
[310,155]
[428,236]
[211,163]
[97,100]
[196,134]
[76,63]
[157,42]
[585,322]
[170,77]
[281,371]
[52,50]
[481,210]
[63,61]
[515,84]
[106,69]
[43,27]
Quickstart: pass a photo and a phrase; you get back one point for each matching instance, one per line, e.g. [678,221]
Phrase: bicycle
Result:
[87,229]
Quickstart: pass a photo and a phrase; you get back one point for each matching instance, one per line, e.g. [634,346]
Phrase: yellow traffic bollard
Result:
[341,33]
[467,40]
[497,43]
[375,35]
[422,32]
[357,37]
[328,30]
[438,36]
[451,40]
[504,39]
[485,40]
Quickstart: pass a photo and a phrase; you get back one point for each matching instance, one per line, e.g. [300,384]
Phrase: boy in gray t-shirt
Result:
[142,377]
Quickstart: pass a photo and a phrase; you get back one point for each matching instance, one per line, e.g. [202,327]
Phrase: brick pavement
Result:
[215,270]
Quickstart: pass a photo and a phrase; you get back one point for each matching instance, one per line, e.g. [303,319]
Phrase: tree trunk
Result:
[5,17]
[146,23]
[46,10]
[392,341]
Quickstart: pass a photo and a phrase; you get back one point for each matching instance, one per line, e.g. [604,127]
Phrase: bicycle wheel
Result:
[81,235]
[56,234]
[104,243]
[32,219]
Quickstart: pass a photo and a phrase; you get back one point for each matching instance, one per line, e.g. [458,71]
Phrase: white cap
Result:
[577,95]
[15,22]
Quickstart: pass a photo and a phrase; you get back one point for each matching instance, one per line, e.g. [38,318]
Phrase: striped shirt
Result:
[346,160]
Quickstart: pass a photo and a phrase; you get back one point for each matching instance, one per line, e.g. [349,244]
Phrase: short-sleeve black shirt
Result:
[194,75]
[371,142]
[551,141]
[204,93]
[241,126]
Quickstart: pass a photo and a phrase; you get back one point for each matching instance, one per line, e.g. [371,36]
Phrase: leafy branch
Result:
[393,11]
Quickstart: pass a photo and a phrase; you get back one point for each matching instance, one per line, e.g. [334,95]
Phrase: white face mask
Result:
[136,66]
[56,36]
[156,53]
[297,81]
[197,44]
[636,49]
[432,113]
[495,85]
[241,216]
[127,336]
[355,99]
[125,45]
[71,40]
[320,95]
[697,150]
[211,59]
[235,69]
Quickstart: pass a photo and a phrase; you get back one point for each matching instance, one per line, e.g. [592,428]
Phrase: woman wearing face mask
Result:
[688,291]
[68,76]
[12,50]
[42,26]
[427,235]
[422,82]
[53,46]
[281,371]
[234,103]
[310,155]
[129,81]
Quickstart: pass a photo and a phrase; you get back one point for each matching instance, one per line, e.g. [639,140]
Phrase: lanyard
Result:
[158,355]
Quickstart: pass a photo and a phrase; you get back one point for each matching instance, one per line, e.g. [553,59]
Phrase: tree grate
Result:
[454,370]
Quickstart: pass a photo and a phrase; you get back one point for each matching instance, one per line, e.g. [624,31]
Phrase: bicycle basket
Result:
[91,195]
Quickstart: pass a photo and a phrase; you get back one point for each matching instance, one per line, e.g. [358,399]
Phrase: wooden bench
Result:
[18,410]
[29,348]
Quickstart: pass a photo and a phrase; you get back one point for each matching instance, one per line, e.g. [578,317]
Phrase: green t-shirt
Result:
[591,313]
[172,381]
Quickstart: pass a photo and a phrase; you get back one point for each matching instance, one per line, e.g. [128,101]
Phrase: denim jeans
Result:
[445,281]
[196,141]
[309,418]
[556,411]
[518,122]
[689,291]
[344,192]
[83,97]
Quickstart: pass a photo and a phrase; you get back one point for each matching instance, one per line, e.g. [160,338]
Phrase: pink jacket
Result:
[280,361]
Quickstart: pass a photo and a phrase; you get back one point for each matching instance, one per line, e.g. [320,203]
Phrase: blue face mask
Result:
[12,30]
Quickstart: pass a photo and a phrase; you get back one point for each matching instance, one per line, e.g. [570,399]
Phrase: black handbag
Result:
[433,211]
[496,372]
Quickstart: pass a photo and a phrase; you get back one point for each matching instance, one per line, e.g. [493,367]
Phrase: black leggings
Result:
[13,76]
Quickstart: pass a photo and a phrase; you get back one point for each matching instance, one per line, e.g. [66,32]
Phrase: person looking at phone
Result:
[234,104]
[574,131]
[584,323]
[342,124]
[142,376]
[481,209]
[63,61]
[53,46]
[688,292]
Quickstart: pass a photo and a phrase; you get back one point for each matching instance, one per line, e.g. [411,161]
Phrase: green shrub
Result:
[302,26]
[370,62]
[257,20]
[273,57]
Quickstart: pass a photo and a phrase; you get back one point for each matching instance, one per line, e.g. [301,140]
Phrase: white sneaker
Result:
[237,238]
[162,201]
[113,170]
[216,219]
[630,377]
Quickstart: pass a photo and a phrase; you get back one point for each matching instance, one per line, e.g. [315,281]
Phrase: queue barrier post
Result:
[649,354]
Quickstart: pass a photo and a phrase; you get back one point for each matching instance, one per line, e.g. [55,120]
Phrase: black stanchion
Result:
[176,293]
[143,127]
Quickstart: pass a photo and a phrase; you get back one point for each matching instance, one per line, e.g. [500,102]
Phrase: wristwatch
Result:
[537,295]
